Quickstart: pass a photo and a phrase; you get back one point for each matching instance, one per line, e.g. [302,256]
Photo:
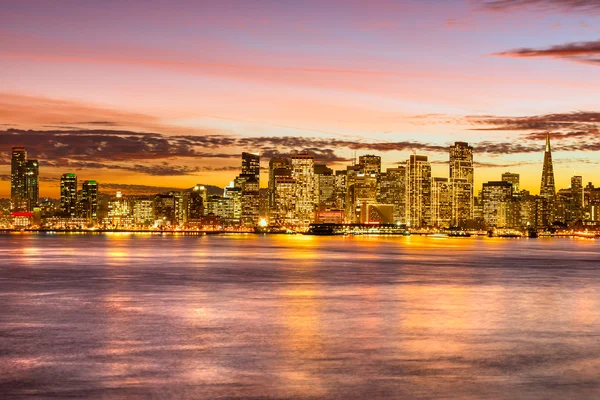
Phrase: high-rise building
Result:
[547,188]
[89,200]
[461,162]
[303,172]
[325,190]
[251,165]
[278,166]
[197,203]
[512,179]
[18,168]
[392,190]
[284,211]
[32,184]
[418,191]
[143,213]
[577,191]
[441,202]
[496,197]
[461,183]
[68,195]
[369,164]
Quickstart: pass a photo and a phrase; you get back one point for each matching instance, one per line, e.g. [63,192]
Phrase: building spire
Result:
[547,189]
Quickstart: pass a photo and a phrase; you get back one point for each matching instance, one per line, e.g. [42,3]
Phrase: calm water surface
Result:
[297,317]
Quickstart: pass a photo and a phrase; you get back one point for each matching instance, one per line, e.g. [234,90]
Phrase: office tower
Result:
[369,164]
[143,212]
[303,172]
[441,202]
[547,189]
[325,189]
[89,200]
[461,162]
[285,201]
[251,165]
[462,202]
[68,195]
[230,209]
[496,197]
[278,166]
[18,168]
[352,172]
[250,201]
[418,191]
[461,183]
[365,192]
[577,191]
[340,189]
[512,179]
[32,184]
[164,209]
[392,190]
[196,203]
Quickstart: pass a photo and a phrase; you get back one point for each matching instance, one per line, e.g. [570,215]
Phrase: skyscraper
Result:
[547,188]
[32,190]
[496,197]
[68,195]
[89,200]
[18,167]
[441,203]
[418,191]
[303,172]
[461,182]
[251,165]
[461,162]
[392,190]
[513,179]
[278,166]
[370,164]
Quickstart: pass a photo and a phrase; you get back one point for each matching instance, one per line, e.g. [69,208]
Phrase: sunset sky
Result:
[169,93]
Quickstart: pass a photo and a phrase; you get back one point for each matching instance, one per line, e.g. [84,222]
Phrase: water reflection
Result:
[126,316]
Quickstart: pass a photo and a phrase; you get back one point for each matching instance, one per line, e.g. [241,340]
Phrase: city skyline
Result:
[129,94]
[301,193]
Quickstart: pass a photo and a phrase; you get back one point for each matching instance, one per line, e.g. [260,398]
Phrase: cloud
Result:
[585,121]
[583,52]
[545,5]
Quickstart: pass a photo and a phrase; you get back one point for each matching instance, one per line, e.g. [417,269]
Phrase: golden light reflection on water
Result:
[302,317]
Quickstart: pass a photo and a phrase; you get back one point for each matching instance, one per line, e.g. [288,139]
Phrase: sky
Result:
[145,94]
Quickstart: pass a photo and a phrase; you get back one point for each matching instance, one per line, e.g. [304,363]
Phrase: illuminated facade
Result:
[513,179]
[418,191]
[303,172]
[369,164]
[68,195]
[18,190]
[461,183]
[392,190]
[89,200]
[496,197]
[441,202]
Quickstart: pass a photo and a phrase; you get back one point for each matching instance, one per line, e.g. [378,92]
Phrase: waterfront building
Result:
[197,202]
[68,195]
[89,200]
[278,166]
[461,183]
[441,202]
[325,190]
[377,214]
[251,165]
[164,209]
[285,201]
[303,172]
[32,188]
[418,191]
[392,190]
[18,190]
[496,197]
[143,211]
